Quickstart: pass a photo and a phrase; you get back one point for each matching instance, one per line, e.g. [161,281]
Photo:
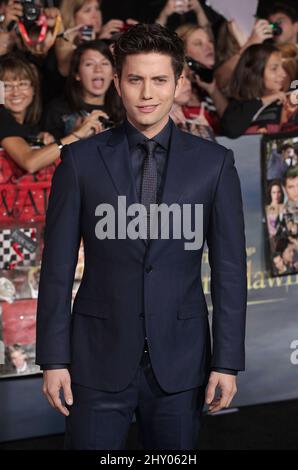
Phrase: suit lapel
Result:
[177,168]
[115,154]
[116,157]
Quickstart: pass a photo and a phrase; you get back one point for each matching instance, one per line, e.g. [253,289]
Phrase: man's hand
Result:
[53,381]
[227,386]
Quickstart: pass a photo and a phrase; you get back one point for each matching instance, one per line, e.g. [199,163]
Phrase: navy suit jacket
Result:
[127,282]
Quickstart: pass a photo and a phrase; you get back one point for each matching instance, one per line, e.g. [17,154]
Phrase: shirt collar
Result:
[135,137]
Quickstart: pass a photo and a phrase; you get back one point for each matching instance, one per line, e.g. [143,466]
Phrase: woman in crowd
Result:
[274,207]
[181,115]
[199,45]
[231,43]
[259,80]
[90,88]
[20,118]
[77,15]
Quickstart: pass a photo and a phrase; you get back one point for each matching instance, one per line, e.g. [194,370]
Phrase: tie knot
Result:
[150,146]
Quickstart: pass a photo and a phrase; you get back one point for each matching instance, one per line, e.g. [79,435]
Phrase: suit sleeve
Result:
[62,240]
[227,259]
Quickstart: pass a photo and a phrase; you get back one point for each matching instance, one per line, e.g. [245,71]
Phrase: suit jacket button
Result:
[149,269]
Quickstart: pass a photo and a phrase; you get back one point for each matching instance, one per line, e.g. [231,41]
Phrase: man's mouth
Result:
[147,108]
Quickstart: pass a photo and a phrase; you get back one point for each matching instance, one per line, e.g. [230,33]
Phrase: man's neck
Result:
[150,131]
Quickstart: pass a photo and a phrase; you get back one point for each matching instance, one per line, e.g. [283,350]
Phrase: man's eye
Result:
[134,80]
[160,80]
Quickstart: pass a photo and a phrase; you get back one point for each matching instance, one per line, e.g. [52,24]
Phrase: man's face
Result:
[18,359]
[292,189]
[278,262]
[147,87]
[289,28]
[289,253]
[288,153]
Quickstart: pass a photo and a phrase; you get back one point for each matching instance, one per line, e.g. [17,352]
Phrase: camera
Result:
[276,29]
[86,33]
[34,140]
[106,123]
[31,11]
[205,74]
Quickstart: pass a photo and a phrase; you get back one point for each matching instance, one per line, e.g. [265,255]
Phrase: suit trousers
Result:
[101,420]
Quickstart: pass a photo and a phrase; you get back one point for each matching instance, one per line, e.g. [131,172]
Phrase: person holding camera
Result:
[90,88]
[20,118]
[82,21]
[286,19]
[200,55]
[182,8]
[27,26]
[232,42]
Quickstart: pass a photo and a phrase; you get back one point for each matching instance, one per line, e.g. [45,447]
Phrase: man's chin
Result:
[148,121]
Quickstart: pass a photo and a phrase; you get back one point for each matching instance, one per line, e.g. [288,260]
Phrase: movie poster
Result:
[280,202]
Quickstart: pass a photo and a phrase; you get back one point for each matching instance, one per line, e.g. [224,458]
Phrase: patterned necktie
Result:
[149,179]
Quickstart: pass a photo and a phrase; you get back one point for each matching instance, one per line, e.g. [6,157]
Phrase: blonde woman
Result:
[77,14]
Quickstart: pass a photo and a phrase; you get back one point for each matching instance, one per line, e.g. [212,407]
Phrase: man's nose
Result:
[147,90]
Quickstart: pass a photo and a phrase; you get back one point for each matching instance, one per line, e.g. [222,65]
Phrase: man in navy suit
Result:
[138,338]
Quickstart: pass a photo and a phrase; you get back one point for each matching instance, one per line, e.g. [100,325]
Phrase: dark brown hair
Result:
[247,82]
[112,102]
[20,69]
[150,38]
[281,7]
[269,189]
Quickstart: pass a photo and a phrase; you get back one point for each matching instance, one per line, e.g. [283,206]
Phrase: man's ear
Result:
[117,84]
[179,83]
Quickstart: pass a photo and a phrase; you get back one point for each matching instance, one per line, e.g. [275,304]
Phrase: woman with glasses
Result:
[20,117]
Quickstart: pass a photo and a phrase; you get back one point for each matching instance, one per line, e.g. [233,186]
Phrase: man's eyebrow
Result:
[130,75]
[134,75]
[161,76]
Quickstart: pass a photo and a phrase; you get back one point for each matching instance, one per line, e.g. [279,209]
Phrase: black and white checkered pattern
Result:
[8,255]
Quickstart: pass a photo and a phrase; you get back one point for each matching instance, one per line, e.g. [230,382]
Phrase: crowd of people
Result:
[56,64]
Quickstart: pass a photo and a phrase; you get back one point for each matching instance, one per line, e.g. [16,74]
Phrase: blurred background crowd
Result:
[56,69]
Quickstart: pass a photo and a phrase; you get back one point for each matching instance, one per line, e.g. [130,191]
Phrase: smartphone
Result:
[276,29]
[181,6]
[86,33]
[205,74]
